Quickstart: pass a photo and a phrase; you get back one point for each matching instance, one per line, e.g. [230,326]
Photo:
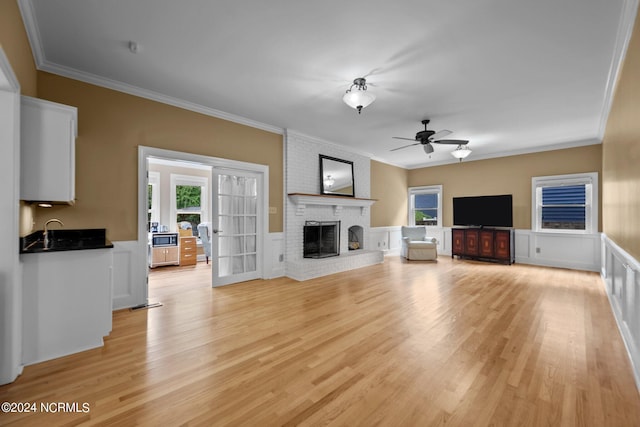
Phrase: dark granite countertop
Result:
[65,240]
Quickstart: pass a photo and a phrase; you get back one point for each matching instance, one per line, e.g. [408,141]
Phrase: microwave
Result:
[164,239]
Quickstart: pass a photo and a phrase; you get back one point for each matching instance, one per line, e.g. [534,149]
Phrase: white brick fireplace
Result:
[304,203]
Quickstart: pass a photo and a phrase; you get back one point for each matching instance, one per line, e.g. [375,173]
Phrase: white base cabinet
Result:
[48,133]
[66,302]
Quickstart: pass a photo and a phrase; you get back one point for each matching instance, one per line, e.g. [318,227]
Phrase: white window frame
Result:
[590,179]
[197,181]
[428,189]
[154,181]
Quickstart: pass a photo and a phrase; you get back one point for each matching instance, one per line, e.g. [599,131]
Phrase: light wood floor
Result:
[455,343]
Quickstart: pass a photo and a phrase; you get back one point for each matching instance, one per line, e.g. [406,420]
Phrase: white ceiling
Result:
[511,76]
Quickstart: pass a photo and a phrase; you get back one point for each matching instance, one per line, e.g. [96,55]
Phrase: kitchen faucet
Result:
[45,234]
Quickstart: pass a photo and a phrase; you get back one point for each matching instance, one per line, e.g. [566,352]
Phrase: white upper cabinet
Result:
[47,151]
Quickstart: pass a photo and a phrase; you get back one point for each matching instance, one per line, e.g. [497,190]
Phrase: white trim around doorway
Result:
[140,290]
[10,270]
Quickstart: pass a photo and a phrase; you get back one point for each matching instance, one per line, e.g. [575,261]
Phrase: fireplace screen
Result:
[321,239]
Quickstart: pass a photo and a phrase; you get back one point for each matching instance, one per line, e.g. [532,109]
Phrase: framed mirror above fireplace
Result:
[336,177]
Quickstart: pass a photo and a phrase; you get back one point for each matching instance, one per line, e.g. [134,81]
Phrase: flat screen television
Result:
[483,211]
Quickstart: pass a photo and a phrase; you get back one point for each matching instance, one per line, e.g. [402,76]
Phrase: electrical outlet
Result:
[537,250]
[273,210]
[281,258]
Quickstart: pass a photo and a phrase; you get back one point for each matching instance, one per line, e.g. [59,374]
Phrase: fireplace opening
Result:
[356,234]
[321,239]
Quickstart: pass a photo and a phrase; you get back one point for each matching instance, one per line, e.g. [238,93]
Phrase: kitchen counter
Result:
[66,301]
[65,240]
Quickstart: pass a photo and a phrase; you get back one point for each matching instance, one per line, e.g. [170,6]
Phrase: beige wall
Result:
[621,156]
[389,188]
[14,42]
[505,175]
[111,126]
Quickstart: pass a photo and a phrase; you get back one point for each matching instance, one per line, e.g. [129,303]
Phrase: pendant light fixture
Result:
[461,152]
[358,98]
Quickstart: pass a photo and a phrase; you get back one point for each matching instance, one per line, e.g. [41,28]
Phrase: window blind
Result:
[564,207]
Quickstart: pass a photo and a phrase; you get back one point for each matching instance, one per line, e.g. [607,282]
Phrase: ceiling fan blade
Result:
[405,146]
[452,141]
[440,134]
[399,137]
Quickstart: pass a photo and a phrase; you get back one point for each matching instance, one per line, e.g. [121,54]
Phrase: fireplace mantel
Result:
[301,201]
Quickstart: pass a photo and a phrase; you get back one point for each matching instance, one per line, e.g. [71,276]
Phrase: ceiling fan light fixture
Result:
[358,98]
[428,148]
[461,152]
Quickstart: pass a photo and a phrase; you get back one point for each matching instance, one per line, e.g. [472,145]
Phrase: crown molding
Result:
[429,163]
[625,30]
[531,150]
[154,96]
[33,33]
[42,64]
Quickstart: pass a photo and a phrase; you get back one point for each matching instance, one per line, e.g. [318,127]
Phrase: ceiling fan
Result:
[427,137]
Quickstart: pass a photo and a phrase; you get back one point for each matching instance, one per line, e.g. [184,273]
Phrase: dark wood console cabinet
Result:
[483,244]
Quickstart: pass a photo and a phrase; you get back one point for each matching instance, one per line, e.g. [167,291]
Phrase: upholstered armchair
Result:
[203,232]
[416,245]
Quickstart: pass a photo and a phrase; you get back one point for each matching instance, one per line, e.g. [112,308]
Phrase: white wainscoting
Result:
[275,260]
[621,275]
[443,235]
[389,239]
[385,239]
[129,278]
[575,251]
[563,250]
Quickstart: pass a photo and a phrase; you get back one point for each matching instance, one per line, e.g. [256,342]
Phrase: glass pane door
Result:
[236,227]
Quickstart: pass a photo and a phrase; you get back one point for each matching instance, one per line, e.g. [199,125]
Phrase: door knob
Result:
[216,231]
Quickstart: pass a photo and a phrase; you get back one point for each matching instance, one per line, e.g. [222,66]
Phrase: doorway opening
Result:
[178,226]
[228,199]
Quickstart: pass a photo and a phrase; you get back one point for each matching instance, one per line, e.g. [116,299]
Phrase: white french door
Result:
[237,228]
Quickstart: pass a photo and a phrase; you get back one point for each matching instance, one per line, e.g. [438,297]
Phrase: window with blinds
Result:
[565,203]
[564,207]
